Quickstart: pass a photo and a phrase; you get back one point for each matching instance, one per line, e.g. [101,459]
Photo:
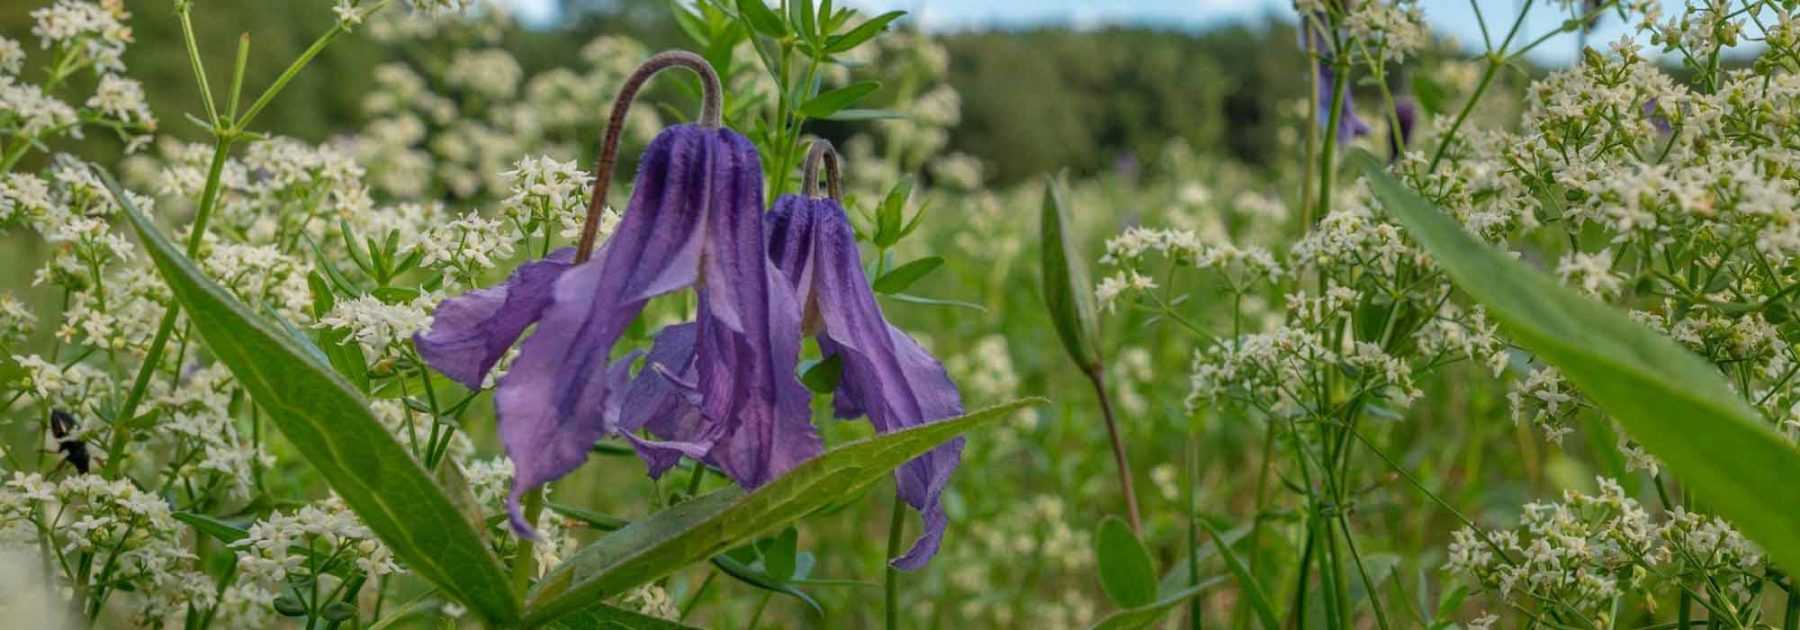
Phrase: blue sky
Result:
[1454,18]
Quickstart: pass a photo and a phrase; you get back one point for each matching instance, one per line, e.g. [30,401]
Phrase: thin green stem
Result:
[1487,77]
[1328,157]
[891,590]
[524,561]
[182,14]
[1120,459]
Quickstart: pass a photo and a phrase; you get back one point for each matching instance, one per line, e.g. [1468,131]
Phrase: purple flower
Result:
[694,219]
[469,333]
[1349,125]
[886,375]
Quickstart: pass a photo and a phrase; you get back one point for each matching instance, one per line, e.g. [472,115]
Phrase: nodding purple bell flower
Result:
[886,375]
[694,219]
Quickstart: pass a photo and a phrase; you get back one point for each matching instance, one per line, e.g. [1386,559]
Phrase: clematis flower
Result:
[886,374]
[694,219]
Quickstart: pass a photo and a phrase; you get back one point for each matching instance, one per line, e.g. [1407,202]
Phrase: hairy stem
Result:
[821,152]
[711,116]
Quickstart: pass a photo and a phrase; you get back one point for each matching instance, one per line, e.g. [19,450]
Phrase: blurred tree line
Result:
[1033,101]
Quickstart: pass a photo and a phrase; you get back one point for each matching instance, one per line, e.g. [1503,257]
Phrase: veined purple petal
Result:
[694,217]
[886,373]
[470,332]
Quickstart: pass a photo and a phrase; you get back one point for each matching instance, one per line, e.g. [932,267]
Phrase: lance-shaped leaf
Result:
[1068,292]
[330,424]
[691,532]
[1669,400]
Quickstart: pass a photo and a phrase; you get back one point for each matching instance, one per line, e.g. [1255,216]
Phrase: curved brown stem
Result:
[822,152]
[711,108]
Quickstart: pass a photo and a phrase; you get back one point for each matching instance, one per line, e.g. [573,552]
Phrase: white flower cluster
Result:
[1575,556]
[311,543]
[380,327]
[128,537]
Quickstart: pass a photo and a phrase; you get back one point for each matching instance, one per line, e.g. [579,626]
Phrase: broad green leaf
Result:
[862,33]
[1068,293]
[701,528]
[1127,574]
[1672,402]
[1247,585]
[219,530]
[905,275]
[330,424]
[761,18]
[1147,615]
[830,102]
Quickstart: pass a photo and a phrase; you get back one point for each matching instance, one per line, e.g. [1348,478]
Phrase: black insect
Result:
[73,449]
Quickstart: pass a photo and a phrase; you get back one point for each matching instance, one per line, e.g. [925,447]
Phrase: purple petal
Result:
[1349,124]
[886,373]
[470,332]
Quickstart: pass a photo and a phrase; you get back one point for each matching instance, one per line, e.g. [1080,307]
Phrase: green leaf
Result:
[856,115]
[917,299]
[889,215]
[905,275]
[1147,615]
[219,530]
[778,555]
[703,527]
[754,577]
[828,103]
[800,12]
[761,18]
[1127,574]
[1247,584]
[1672,402]
[1068,293]
[593,519]
[822,377]
[862,33]
[330,424]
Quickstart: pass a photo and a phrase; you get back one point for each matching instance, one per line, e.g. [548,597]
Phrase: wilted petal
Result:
[470,332]
[885,372]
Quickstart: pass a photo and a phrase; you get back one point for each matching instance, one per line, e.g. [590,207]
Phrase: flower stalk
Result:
[711,117]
